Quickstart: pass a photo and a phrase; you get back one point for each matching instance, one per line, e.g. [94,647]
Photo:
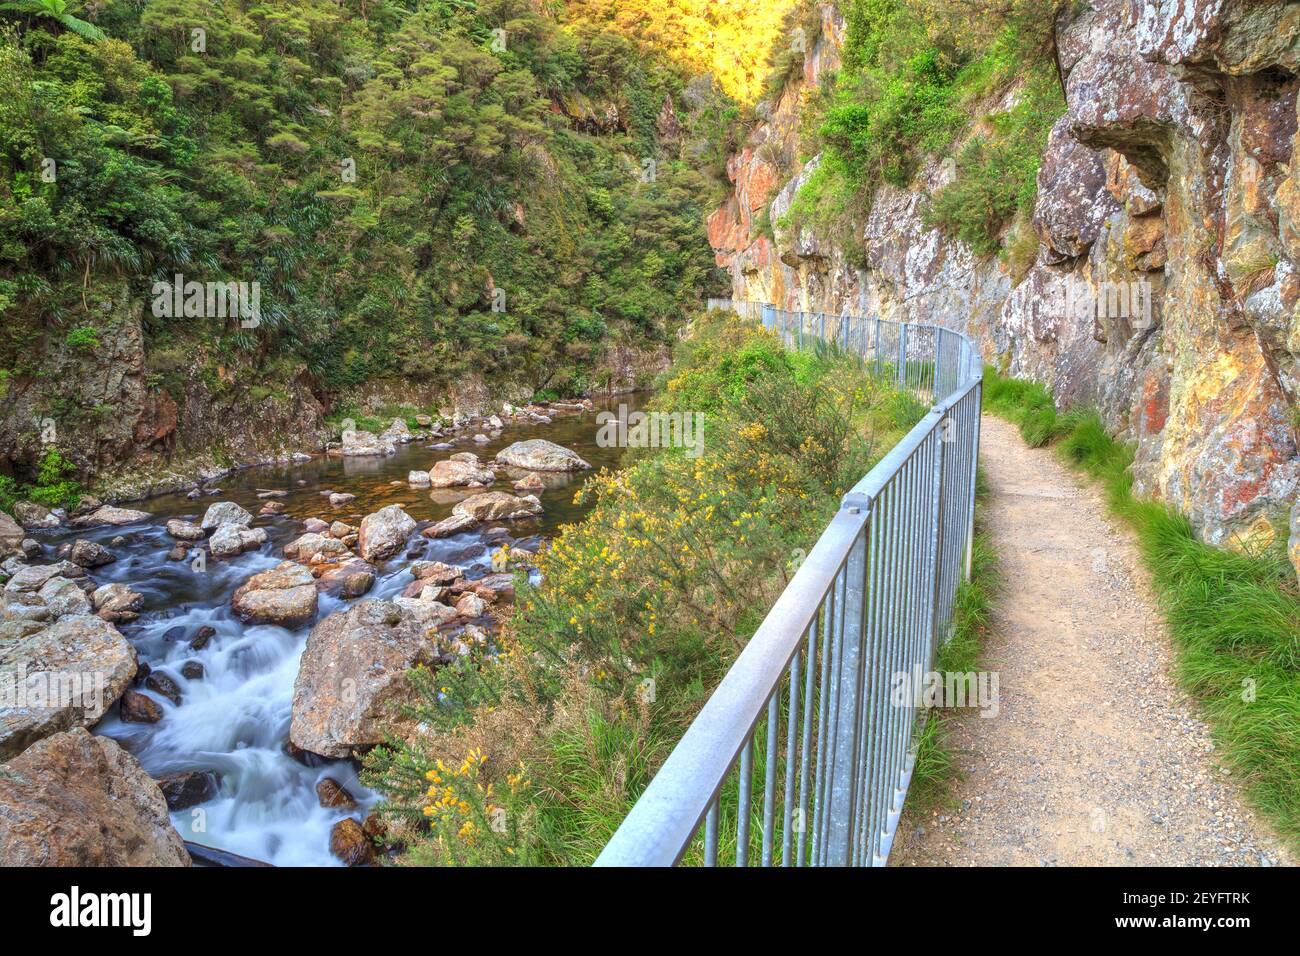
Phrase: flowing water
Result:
[235,718]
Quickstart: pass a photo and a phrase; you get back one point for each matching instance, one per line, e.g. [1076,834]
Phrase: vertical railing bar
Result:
[823,703]
[805,756]
[743,803]
[769,774]
[791,749]
[711,833]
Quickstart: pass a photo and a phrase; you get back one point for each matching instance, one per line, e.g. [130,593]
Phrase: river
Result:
[234,719]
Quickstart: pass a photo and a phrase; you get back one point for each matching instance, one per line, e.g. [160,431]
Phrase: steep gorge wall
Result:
[1172,167]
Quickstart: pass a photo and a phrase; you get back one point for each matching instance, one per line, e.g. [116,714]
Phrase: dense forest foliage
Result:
[421,188]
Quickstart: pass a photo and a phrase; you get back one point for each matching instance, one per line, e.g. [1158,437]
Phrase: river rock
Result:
[192,670]
[333,795]
[384,533]
[88,554]
[397,432]
[459,471]
[340,498]
[185,530]
[531,483]
[32,515]
[353,667]
[538,454]
[285,596]
[425,610]
[110,515]
[202,636]
[308,546]
[435,572]
[163,684]
[11,536]
[138,708]
[90,664]
[501,586]
[85,505]
[498,506]
[225,513]
[188,788]
[419,479]
[33,578]
[64,597]
[117,603]
[366,445]
[348,842]
[350,580]
[471,605]
[74,799]
[453,524]
[341,530]
[315,526]
[230,540]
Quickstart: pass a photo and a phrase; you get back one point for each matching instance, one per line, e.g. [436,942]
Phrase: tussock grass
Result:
[1234,615]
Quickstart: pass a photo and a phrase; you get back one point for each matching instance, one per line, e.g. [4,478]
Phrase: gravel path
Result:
[1096,756]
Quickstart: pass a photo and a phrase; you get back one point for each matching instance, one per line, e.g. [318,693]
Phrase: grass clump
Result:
[1234,615]
[642,608]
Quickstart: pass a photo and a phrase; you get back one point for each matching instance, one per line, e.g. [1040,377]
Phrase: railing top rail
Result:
[665,819]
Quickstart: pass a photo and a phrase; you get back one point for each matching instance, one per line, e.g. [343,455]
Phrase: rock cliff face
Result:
[1168,189]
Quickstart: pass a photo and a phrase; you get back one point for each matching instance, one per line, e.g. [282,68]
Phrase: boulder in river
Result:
[223,513]
[340,498]
[33,578]
[384,533]
[366,445]
[32,515]
[453,524]
[350,580]
[188,788]
[498,506]
[74,799]
[117,603]
[538,454]
[285,596]
[435,572]
[230,540]
[88,554]
[458,471]
[349,842]
[64,597]
[138,708]
[532,483]
[307,547]
[333,795]
[72,670]
[111,516]
[353,668]
[419,479]
[185,530]
[315,526]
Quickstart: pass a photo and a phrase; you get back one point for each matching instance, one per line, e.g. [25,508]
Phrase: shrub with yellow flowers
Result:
[643,605]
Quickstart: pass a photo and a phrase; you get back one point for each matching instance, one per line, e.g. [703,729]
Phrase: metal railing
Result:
[808,716]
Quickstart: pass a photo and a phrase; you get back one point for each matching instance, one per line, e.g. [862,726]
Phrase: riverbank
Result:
[204,635]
